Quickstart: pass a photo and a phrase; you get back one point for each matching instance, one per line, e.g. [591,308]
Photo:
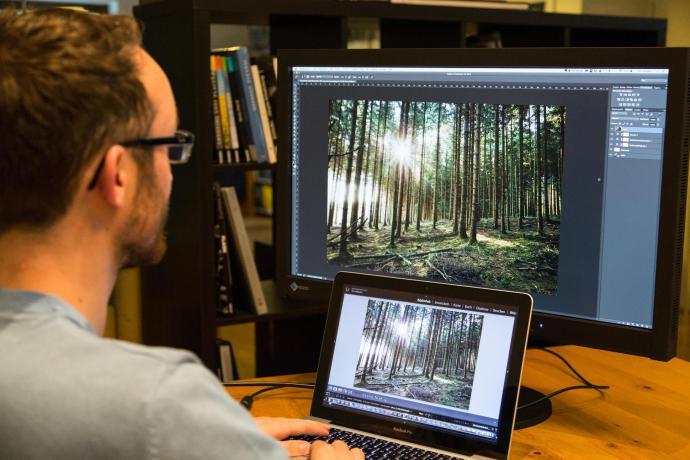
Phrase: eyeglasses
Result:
[179,146]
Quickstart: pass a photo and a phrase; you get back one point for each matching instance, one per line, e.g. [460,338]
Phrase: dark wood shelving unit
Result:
[278,309]
[178,295]
[249,166]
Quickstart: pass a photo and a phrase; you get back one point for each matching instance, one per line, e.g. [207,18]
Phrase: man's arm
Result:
[190,416]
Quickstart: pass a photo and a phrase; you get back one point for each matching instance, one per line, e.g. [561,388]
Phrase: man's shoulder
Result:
[146,355]
[111,362]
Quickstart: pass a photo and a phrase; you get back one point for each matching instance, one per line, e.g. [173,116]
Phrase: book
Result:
[224,284]
[243,135]
[262,102]
[268,74]
[240,239]
[269,85]
[247,94]
[489,4]
[217,133]
[227,366]
[229,97]
[220,117]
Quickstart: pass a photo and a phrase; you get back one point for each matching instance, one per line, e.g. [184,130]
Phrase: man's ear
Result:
[115,176]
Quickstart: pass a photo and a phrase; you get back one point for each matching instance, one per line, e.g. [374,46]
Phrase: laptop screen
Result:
[431,361]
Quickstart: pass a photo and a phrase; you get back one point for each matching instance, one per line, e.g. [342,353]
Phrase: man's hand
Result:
[338,450]
[280,428]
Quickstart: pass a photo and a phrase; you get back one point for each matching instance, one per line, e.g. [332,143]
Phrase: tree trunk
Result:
[503,172]
[521,184]
[420,193]
[408,203]
[396,180]
[438,152]
[560,159]
[348,178]
[371,344]
[497,155]
[465,173]
[358,171]
[374,175]
[540,213]
[475,216]
[457,155]
[377,212]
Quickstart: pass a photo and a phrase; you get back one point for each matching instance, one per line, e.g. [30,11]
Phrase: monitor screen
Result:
[544,177]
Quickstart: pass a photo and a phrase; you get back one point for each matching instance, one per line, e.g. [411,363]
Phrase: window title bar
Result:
[485,70]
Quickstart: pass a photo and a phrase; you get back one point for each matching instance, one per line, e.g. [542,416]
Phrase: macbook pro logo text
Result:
[402,430]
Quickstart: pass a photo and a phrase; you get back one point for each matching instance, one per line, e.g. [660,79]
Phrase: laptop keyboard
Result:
[375,448]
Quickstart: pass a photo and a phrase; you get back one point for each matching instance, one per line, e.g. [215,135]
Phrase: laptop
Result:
[417,369]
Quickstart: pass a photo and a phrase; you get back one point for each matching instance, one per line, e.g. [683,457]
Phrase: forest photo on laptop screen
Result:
[460,192]
[421,353]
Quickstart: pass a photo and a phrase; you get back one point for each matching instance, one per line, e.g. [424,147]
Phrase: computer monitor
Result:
[559,172]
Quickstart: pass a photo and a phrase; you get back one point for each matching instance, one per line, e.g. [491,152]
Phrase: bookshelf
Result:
[178,295]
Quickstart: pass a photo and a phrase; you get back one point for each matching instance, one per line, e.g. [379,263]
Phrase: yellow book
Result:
[217,67]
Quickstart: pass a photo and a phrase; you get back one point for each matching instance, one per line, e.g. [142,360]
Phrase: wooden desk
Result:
[645,414]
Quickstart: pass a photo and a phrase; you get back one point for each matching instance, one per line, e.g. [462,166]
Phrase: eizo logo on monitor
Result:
[296,287]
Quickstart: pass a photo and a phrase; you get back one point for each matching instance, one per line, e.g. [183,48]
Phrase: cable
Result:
[247,401]
[587,384]
[565,361]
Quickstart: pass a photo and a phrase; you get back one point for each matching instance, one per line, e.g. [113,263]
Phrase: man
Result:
[87,134]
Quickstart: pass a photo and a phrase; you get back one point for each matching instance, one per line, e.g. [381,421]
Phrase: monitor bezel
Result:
[659,342]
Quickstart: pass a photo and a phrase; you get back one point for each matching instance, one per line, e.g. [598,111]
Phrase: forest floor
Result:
[449,391]
[521,260]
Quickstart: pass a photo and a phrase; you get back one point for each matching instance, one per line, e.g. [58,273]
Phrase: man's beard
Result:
[144,240]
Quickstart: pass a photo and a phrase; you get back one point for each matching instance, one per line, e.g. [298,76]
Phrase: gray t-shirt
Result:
[66,393]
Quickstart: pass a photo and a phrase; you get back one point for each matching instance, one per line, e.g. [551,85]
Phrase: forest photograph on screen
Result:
[420,353]
[460,192]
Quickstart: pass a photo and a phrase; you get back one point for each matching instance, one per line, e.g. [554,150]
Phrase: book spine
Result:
[218,134]
[222,108]
[234,140]
[269,108]
[243,135]
[263,114]
[223,266]
[241,57]
[241,240]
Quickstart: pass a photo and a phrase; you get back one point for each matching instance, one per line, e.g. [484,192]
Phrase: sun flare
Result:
[401,150]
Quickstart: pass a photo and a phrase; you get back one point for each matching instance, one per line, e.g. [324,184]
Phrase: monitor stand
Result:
[532,415]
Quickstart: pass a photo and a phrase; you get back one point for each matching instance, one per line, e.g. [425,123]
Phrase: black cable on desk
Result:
[587,384]
[247,401]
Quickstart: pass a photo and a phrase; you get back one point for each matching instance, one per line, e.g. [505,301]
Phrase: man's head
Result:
[73,86]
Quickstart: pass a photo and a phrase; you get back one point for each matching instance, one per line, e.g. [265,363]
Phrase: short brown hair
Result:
[69,89]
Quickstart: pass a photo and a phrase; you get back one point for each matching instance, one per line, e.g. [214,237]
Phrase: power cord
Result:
[248,401]
[587,384]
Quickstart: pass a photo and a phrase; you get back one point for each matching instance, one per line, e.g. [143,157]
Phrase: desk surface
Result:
[645,414]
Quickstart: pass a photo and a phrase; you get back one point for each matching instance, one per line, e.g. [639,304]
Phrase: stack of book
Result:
[243,92]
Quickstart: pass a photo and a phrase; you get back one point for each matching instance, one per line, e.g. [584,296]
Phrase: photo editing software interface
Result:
[541,180]
[428,361]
